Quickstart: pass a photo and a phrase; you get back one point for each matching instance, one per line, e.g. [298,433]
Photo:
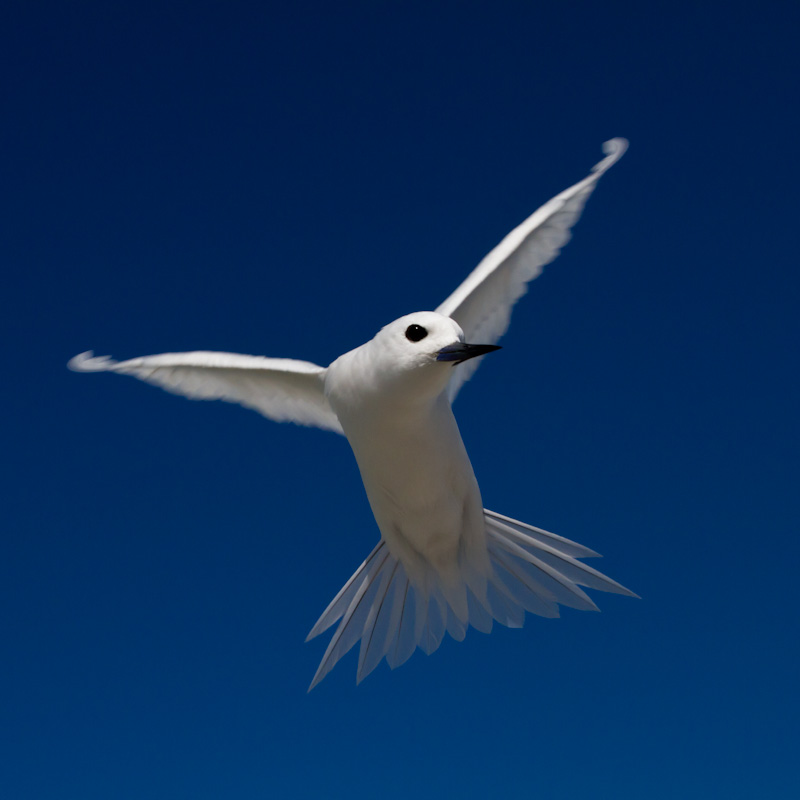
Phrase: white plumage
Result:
[443,562]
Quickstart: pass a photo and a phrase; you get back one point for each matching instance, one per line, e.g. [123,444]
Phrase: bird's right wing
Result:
[482,304]
[281,389]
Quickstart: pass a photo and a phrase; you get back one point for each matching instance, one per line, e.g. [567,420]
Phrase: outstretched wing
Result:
[482,304]
[281,389]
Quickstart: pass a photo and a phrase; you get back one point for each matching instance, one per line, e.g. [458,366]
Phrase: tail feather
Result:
[479,615]
[524,532]
[376,628]
[503,607]
[405,638]
[532,596]
[341,602]
[434,628]
[561,588]
[531,570]
[353,621]
[455,627]
[567,565]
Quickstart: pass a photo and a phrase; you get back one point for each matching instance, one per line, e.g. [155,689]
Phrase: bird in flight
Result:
[443,561]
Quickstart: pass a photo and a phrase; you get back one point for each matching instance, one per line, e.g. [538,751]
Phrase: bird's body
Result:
[443,562]
[418,479]
[398,420]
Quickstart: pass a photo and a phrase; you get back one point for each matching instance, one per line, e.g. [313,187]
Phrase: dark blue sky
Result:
[284,180]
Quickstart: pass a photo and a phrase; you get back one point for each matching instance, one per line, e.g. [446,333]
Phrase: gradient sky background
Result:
[285,179]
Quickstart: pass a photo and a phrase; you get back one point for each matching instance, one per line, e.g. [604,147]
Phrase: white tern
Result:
[443,562]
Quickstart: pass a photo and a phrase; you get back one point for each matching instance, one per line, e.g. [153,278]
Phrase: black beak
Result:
[459,351]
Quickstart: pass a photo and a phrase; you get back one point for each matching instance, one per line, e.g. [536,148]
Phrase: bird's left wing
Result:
[482,303]
[281,389]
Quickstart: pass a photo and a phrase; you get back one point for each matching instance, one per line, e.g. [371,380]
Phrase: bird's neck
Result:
[359,389]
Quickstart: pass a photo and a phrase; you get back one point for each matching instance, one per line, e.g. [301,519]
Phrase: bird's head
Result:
[420,350]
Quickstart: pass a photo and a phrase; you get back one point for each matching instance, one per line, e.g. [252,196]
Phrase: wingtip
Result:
[619,144]
[88,362]
[614,149]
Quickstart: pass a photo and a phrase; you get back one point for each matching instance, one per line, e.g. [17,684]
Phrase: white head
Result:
[412,357]
[415,340]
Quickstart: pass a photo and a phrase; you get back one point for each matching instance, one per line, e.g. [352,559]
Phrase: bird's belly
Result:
[422,491]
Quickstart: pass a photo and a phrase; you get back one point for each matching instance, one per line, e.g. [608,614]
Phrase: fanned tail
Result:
[531,570]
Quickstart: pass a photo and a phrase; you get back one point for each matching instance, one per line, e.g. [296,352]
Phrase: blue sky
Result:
[285,179]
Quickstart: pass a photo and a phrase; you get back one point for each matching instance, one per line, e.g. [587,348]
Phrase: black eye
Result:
[415,333]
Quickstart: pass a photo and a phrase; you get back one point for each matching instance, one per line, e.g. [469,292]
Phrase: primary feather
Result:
[282,389]
[482,304]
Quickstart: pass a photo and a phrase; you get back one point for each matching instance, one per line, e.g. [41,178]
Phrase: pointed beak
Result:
[459,351]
